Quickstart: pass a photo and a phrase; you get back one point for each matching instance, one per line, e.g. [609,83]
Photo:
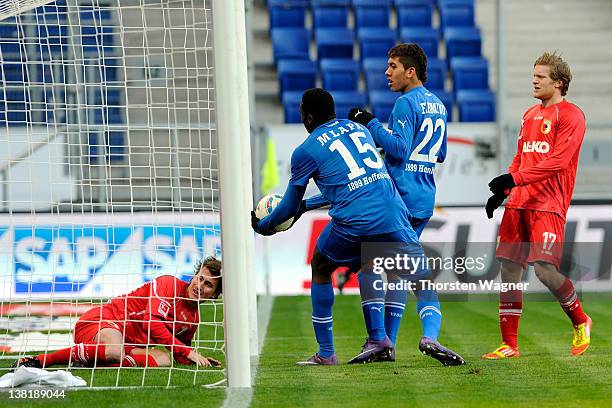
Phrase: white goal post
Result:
[124,156]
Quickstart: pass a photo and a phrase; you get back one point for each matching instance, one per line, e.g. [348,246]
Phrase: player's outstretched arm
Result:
[316,201]
[202,361]
[396,144]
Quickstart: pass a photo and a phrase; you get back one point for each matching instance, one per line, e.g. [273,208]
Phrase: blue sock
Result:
[322,296]
[395,303]
[428,308]
[372,304]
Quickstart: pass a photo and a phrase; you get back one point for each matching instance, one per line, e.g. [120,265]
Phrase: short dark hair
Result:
[214,266]
[319,103]
[411,55]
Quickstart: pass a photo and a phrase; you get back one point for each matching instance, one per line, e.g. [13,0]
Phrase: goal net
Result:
[108,174]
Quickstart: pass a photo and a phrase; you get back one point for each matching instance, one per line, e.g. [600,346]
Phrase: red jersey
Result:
[544,168]
[159,313]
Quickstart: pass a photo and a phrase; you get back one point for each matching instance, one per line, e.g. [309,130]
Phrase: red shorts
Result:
[527,236]
[94,320]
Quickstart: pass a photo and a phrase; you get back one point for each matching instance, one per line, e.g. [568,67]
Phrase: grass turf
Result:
[545,375]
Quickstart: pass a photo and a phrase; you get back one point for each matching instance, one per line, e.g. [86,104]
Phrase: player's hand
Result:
[255,225]
[360,115]
[493,204]
[202,361]
[501,183]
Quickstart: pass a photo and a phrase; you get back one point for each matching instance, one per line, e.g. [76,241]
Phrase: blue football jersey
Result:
[418,121]
[341,158]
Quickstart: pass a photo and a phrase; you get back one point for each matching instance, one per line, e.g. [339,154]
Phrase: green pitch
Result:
[545,375]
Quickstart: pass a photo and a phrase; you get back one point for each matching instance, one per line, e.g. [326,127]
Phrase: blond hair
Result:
[559,69]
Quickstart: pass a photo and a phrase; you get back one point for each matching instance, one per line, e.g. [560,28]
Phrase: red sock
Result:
[510,309]
[566,295]
[86,354]
[139,360]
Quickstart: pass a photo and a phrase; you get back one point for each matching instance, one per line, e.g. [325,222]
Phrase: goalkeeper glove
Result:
[255,225]
[493,204]
[360,115]
[500,184]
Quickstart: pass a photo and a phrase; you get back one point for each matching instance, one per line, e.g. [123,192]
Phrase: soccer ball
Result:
[265,207]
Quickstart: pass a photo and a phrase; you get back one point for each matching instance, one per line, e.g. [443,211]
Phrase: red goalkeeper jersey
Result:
[159,313]
[544,167]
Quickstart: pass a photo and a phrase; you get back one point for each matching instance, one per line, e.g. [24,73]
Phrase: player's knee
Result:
[321,268]
[545,272]
[511,272]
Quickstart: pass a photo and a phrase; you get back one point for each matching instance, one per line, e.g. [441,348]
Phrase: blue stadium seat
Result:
[287,13]
[106,107]
[462,42]
[456,13]
[291,106]
[345,100]
[447,99]
[476,105]
[15,107]
[116,146]
[372,13]
[53,40]
[98,41]
[334,43]
[427,37]
[112,145]
[469,73]
[296,75]
[11,48]
[329,13]
[290,43]
[414,13]
[374,73]
[13,73]
[436,73]
[382,103]
[96,15]
[340,74]
[52,13]
[375,41]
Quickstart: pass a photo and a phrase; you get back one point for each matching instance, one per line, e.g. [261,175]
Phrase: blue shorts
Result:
[418,225]
[346,250]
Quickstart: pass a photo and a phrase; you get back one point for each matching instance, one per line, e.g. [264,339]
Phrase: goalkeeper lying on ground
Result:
[164,311]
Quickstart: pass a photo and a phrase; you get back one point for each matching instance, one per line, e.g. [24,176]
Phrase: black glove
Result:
[255,225]
[493,204]
[360,115]
[500,184]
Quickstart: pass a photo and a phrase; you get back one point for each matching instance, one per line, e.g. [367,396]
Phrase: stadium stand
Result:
[476,105]
[344,29]
[296,75]
[340,74]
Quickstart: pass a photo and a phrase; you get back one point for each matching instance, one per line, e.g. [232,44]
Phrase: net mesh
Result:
[108,169]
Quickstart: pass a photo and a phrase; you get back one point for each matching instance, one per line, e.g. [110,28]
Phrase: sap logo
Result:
[536,146]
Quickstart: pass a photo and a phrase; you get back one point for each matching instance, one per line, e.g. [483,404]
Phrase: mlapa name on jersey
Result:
[432,107]
[365,180]
[324,138]
[419,168]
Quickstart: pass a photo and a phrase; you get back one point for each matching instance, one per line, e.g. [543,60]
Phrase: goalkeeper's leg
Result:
[106,348]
